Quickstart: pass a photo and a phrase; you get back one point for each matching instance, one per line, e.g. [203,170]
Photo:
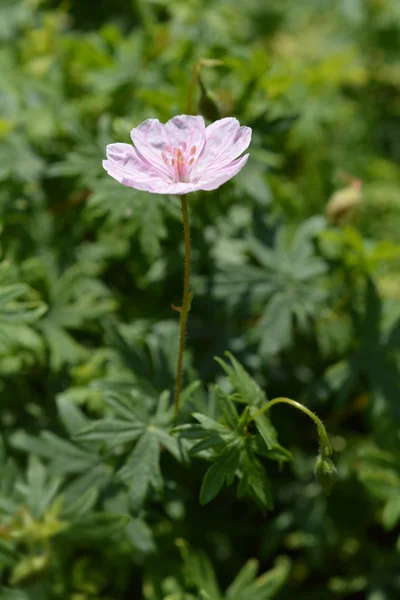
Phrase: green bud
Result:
[208,107]
[325,473]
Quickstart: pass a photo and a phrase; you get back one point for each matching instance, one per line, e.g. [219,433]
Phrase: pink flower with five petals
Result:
[180,156]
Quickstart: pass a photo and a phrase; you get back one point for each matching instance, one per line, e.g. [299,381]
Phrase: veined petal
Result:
[187,133]
[225,141]
[139,182]
[178,188]
[126,157]
[124,164]
[151,143]
[213,179]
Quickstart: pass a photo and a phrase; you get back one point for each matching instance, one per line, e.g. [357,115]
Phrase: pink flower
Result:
[180,156]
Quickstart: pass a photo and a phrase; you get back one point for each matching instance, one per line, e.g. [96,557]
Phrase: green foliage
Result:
[285,287]
[233,449]
[103,496]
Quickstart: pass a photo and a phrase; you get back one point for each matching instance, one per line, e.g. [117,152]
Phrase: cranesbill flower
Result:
[180,156]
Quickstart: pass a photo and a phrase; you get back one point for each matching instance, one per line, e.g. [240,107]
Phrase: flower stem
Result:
[326,448]
[186,302]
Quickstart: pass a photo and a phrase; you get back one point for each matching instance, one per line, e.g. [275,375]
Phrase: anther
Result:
[191,161]
[193,150]
[184,146]
[165,158]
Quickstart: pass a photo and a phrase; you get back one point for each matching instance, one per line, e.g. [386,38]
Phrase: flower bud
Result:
[208,107]
[325,473]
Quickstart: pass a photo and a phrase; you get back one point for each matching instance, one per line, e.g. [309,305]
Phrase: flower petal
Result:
[126,157]
[151,141]
[187,131]
[225,141]
[125,165]
[215,178]
[179,188]
[128,179]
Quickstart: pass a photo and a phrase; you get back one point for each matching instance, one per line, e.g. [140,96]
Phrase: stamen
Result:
[180,161]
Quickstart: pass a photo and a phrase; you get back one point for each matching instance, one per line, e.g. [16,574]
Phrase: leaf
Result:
[112,432]
[71,416]
[99,526]
[222,471]
[391,511]
[228,409]
[268,585]
[209,424]
[128,407]
[286,289]
[81,505]
[189,391]
[198,570]
[21,312]
[16,316]
[245,576]
[146,219]
[63,347]
[266,429]
[142,469]
[254,480]
[141,536]
[250,392]
[98,477]
[63,456]
[380,482]
[190,431]
[212,441]
[40,489]
[270,437]
[275,326]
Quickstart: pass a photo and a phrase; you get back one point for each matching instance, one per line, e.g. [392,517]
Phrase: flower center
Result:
[180,160]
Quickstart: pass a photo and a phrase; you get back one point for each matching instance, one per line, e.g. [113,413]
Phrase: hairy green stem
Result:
[326,448]
[184,311]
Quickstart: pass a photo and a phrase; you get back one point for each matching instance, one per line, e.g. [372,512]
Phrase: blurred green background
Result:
[296,266]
